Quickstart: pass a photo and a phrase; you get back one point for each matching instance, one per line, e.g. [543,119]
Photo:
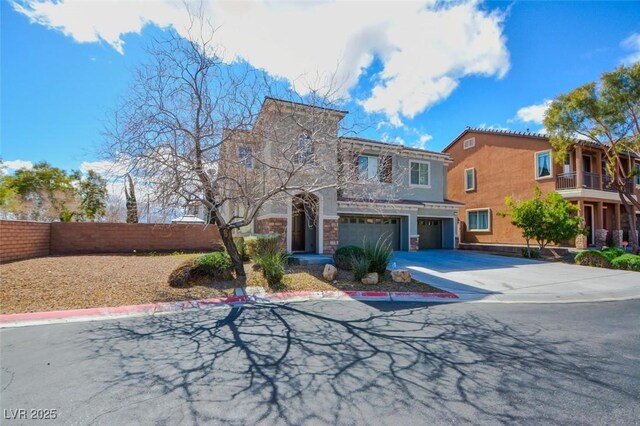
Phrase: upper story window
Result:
[469,143]
[470,179]
[368,167]
[304,151]
[245,156]
[479,220]
[420,173]
[543,164]
[375,168]
[636,176]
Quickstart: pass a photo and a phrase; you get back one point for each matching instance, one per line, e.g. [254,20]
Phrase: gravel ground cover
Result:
[77,282]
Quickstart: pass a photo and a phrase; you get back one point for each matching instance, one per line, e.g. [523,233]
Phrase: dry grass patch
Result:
[77,282]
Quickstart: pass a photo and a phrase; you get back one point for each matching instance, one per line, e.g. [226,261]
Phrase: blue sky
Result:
[420,77]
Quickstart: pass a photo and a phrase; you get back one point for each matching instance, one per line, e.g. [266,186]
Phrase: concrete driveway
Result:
[492,278]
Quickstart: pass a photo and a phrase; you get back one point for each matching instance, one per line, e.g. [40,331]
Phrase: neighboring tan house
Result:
[405,188]
[490,165]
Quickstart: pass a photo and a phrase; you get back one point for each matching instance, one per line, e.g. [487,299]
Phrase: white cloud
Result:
[632,43]
[13,165]
[533,113]
[422,141]
[107,168]
[492,127]
[425,47]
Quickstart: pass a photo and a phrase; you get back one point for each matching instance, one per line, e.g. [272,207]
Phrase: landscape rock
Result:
[401,276]
[370,279]
[330,272]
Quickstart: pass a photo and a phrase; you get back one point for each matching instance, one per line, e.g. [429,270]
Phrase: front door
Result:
[298,228]
[586,163]
[588,218]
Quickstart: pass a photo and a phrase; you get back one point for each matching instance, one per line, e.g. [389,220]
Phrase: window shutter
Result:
[387,169]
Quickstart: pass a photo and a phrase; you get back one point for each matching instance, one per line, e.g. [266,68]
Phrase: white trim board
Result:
[589,193]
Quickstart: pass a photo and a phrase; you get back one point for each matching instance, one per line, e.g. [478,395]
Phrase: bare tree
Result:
[131,202]
[198,131]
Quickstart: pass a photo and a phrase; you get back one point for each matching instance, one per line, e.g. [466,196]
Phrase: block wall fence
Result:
[24,240]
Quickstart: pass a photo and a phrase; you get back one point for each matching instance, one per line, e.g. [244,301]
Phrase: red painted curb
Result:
[151,308]
[441,295]
[359,295]
[71,313]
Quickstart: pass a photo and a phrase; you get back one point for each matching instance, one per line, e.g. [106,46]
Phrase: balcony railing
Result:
[606,184]
[566,181]
[589,181]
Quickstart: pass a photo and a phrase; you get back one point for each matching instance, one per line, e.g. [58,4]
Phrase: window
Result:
[469,179]
[566,166]
[636,176]
[245,156]
[304,152]
[478,220]
[543,164]
[420,174]
[369,167]
[469,143]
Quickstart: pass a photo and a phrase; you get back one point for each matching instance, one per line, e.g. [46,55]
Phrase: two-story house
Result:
[490,165]
[375,189]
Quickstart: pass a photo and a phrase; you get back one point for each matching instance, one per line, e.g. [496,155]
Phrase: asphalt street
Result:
[333,363]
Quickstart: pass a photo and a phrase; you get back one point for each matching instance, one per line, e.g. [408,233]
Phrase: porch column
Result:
[599,168]
[600,232]
[581,240]
[617,229]
[579,171]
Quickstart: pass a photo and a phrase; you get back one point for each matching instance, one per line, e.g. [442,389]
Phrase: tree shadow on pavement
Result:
[310,363]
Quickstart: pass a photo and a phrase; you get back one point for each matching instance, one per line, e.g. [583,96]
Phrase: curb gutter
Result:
[92,314]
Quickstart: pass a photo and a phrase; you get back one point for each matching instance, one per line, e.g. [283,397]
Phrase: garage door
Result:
[352,230]
[430,231]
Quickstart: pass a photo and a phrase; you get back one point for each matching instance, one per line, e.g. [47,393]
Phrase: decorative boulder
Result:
[401,276]
[330,272]
[370,279]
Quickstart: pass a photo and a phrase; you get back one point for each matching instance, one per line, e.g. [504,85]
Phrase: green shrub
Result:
[531,253]
[359,265]
[344,255]
[379,255]
[272,266]
[217,265]
[629,262]
[592,258]
[612,253]
[181,276]
[241,247]
[261,243]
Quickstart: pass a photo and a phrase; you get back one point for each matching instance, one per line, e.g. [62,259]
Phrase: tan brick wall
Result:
[330,236]
[504,165]
[23,240]
[274,225]
[76,238]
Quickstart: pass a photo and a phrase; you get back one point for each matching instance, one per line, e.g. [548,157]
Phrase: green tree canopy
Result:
[49,193]
[545,220]
[606,113]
